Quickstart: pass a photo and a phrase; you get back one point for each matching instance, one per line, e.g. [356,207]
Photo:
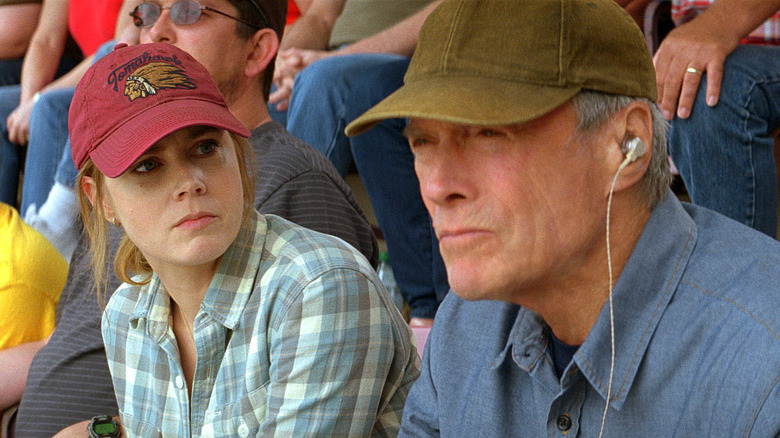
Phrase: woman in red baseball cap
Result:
[229,322]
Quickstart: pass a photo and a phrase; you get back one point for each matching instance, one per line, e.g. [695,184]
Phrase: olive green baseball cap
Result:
[502,62]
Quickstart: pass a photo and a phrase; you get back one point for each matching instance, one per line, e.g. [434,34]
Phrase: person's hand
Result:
[684,55]
[78,430]
[289,63]
[18,124]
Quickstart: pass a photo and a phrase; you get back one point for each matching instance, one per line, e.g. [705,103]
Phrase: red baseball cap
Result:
[136,95]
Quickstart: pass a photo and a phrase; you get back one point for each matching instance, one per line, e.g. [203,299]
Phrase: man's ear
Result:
[262,48]
[631,124]
[89,186]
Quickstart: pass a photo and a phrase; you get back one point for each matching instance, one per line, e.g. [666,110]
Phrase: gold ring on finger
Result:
[693,70]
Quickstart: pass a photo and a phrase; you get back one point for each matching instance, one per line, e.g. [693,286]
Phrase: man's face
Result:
[517,209]
[213,41]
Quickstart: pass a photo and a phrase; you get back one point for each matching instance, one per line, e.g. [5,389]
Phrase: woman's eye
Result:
[206,148]
[146,165]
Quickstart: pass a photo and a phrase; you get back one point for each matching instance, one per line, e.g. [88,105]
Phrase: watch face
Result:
[104,428]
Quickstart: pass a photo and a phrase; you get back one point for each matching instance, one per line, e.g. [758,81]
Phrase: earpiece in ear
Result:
[635,148]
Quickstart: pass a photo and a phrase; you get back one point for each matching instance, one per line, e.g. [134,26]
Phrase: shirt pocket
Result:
[136,428]
[243,417]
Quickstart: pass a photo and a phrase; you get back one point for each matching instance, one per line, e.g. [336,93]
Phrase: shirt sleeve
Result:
[331,351]
[766,422]
[420,418]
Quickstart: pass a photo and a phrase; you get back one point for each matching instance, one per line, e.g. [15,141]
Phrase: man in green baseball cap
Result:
[587,299]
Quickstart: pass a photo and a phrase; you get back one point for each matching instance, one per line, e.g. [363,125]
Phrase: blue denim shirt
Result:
[697,348]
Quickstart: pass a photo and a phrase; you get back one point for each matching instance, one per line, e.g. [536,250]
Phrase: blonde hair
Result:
[129,261]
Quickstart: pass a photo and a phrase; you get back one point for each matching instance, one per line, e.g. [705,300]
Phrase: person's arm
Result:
[14,365]
[17,25]
[399,39]
[40,64]
[79,430]
[703,44]
[313,28]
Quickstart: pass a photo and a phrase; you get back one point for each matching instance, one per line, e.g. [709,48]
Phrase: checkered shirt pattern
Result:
[767,33]
[295,337]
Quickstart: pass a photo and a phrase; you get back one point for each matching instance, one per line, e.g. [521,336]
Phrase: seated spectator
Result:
[236,292]
[32,275]
[587,300]
[362,50]
[17,24]
[18,21]
[68,378]
[718,84]
[40,65]
[57,217]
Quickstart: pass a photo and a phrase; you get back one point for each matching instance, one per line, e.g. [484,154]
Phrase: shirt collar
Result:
[641,293]
[229,291]
[640,296]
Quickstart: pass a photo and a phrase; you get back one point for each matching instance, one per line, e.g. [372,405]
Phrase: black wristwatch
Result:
[103,426]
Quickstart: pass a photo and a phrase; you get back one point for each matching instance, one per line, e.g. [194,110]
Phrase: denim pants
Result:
[329,94]
[49,157]
[725,154]
[48,144]
[11,154]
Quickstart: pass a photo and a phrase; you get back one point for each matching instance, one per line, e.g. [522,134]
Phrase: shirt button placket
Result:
[243,430]
[563,422]
[179,382]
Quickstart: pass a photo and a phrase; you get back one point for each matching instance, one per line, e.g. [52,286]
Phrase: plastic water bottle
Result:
[385,272]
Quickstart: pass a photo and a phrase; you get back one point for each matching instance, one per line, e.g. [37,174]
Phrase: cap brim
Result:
[465,100]
[115,154]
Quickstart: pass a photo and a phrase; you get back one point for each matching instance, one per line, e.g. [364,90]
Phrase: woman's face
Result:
[181,203]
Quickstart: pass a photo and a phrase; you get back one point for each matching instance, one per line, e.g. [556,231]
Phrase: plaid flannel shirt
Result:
[296,336]
[767,33]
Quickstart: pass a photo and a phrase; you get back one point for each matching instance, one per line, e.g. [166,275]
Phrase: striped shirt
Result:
[295,337]
[767,33]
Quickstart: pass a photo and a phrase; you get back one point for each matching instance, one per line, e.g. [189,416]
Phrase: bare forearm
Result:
[71,78]
[312,29]
[308,32]
[46,48]
[14,365]
[735,19]
[400,39]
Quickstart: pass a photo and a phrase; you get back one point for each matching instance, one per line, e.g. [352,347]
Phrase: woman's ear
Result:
[89,186]
[90,189]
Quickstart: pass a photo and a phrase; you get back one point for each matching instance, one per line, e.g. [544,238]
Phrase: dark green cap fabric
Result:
[501,62]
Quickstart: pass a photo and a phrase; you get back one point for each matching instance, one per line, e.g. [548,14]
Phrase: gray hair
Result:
[594,108]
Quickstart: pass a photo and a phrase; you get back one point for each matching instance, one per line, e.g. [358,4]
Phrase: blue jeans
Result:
[11,155]
[725,154]
[328,95]
[48,138]
[49,156]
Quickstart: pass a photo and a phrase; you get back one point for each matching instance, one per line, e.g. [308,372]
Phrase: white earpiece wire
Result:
[633,154]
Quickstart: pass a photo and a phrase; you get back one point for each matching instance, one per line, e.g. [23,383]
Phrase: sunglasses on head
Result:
[184,12]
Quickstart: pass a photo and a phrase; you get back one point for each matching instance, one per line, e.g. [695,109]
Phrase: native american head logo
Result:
[155,76]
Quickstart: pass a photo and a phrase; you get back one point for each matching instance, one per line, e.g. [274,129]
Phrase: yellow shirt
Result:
[32,275]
